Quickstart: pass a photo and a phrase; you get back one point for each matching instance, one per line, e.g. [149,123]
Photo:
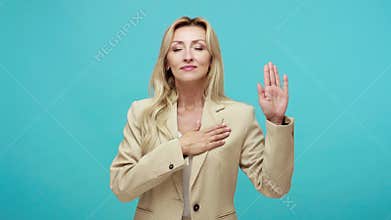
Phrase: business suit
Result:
[157,176]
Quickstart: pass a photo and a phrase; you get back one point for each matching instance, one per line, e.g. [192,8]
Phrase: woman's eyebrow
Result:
[181,42]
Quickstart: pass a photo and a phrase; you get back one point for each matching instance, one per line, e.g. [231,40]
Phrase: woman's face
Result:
[188,57]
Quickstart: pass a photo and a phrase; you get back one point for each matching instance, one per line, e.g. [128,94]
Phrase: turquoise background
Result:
[63,111]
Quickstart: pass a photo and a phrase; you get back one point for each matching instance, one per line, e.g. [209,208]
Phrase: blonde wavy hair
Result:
[162,83]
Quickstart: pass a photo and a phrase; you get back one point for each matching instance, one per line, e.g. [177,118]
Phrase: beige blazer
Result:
[157,176]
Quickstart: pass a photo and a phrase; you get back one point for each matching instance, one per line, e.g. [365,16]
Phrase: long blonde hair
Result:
[162,83]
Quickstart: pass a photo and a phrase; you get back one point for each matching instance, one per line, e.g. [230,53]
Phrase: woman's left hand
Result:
[273,99]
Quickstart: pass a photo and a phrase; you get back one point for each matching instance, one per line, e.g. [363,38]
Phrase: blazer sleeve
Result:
[268,162]
[132,173]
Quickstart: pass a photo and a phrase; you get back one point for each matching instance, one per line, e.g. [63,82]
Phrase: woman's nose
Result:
[188,56]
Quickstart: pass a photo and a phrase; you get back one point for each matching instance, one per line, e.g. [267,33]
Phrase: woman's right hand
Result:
[196,142]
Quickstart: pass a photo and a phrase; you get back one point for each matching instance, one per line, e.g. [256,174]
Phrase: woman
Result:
[182,147]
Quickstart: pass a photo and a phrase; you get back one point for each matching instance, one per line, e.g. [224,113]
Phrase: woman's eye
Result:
[176,49]
[198,48]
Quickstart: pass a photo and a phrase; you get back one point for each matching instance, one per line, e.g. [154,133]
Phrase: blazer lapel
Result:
[209,118]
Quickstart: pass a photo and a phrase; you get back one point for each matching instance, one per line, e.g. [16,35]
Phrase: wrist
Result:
[183,148]
[277,120]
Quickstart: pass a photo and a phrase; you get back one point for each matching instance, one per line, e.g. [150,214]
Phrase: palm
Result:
[273,99]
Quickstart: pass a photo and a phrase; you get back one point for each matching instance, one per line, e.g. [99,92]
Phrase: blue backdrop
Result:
[69,71]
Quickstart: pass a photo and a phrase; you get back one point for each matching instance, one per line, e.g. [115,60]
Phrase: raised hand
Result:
[273,99]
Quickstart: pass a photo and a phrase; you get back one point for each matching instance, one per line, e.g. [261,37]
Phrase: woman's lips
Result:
[188,68]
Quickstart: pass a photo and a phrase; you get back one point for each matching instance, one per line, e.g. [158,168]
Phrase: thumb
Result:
[198,125]
[261,91]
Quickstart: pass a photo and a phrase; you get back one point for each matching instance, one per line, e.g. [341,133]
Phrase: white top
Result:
[185,186]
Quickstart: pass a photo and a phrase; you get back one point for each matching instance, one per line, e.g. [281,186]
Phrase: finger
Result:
[277,76]
[286,84]
[266,75]
[213,145]
[219,131]
[207,130]
[271,72]
[261,91]
[220,136]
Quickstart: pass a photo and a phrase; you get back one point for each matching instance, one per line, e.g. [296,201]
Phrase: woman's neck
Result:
[190,97]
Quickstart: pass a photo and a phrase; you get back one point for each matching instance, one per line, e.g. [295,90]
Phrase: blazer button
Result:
[196,207]
[171,166]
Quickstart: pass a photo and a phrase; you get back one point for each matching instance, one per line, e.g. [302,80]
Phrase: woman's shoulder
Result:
[236,105]
[238,113]
[137,106]
[141,103]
